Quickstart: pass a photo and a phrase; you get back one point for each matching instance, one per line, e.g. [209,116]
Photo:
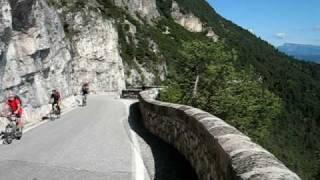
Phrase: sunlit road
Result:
[86,143]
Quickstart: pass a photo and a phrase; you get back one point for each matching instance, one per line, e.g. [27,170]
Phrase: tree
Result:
[208,79]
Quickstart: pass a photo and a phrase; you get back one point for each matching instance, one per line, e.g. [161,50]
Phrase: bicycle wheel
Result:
[8,140]
[18,134]
[57,114]
[84,100]
[52,116]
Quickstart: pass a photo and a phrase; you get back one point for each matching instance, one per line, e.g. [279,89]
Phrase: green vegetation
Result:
[284,87]
[137,47]
[237,96]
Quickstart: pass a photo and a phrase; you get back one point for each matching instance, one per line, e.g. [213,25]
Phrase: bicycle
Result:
[54,113]
[11,130]
[84,100]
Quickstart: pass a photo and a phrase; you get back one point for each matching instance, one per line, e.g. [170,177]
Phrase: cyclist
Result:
[55,99]
[85,92]
[85,88]
[14,106]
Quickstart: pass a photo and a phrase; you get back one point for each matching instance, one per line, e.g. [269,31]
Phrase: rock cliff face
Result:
[145,8]
[36,55]
[190,21]
[35,58]
[96,56]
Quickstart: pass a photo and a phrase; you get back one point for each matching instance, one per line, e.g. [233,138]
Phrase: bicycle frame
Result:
[54,113]
[10,131]
[84,99]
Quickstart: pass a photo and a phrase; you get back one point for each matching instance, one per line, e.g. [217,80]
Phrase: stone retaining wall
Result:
[216,150]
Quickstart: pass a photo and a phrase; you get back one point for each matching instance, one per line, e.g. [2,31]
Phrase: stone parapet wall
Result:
[216,150]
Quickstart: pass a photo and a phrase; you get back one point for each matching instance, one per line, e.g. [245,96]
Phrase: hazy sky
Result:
[277,21]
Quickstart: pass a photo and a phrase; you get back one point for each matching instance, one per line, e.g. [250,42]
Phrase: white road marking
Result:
[34,126]
[37,124]
[139,164]
[43,122]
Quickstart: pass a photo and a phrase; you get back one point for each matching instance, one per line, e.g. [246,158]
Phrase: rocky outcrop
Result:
[141,76]
[148,71]
[5,33]
[35,58]
[145,8]
[211,34]
[215,149]
[190,21]
[96,56]
[138,75]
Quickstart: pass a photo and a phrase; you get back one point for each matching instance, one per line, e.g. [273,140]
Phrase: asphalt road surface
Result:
[87,143]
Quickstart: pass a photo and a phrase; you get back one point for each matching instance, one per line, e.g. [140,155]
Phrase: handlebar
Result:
[11,117]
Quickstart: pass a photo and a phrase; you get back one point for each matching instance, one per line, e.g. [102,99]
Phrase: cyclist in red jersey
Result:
[13,104]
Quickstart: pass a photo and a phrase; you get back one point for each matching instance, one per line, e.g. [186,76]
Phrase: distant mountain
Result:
[302,51]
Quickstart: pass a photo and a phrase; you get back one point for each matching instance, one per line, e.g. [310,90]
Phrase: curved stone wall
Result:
[216,150]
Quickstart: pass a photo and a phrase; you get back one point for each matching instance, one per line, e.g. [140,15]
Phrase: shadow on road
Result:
[169,163]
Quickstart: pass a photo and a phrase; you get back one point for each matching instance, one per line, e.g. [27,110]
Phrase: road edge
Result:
[133,137]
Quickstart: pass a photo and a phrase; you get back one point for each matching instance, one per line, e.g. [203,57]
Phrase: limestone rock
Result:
[34,56]
[145,8]
[189,21]
[96,56]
